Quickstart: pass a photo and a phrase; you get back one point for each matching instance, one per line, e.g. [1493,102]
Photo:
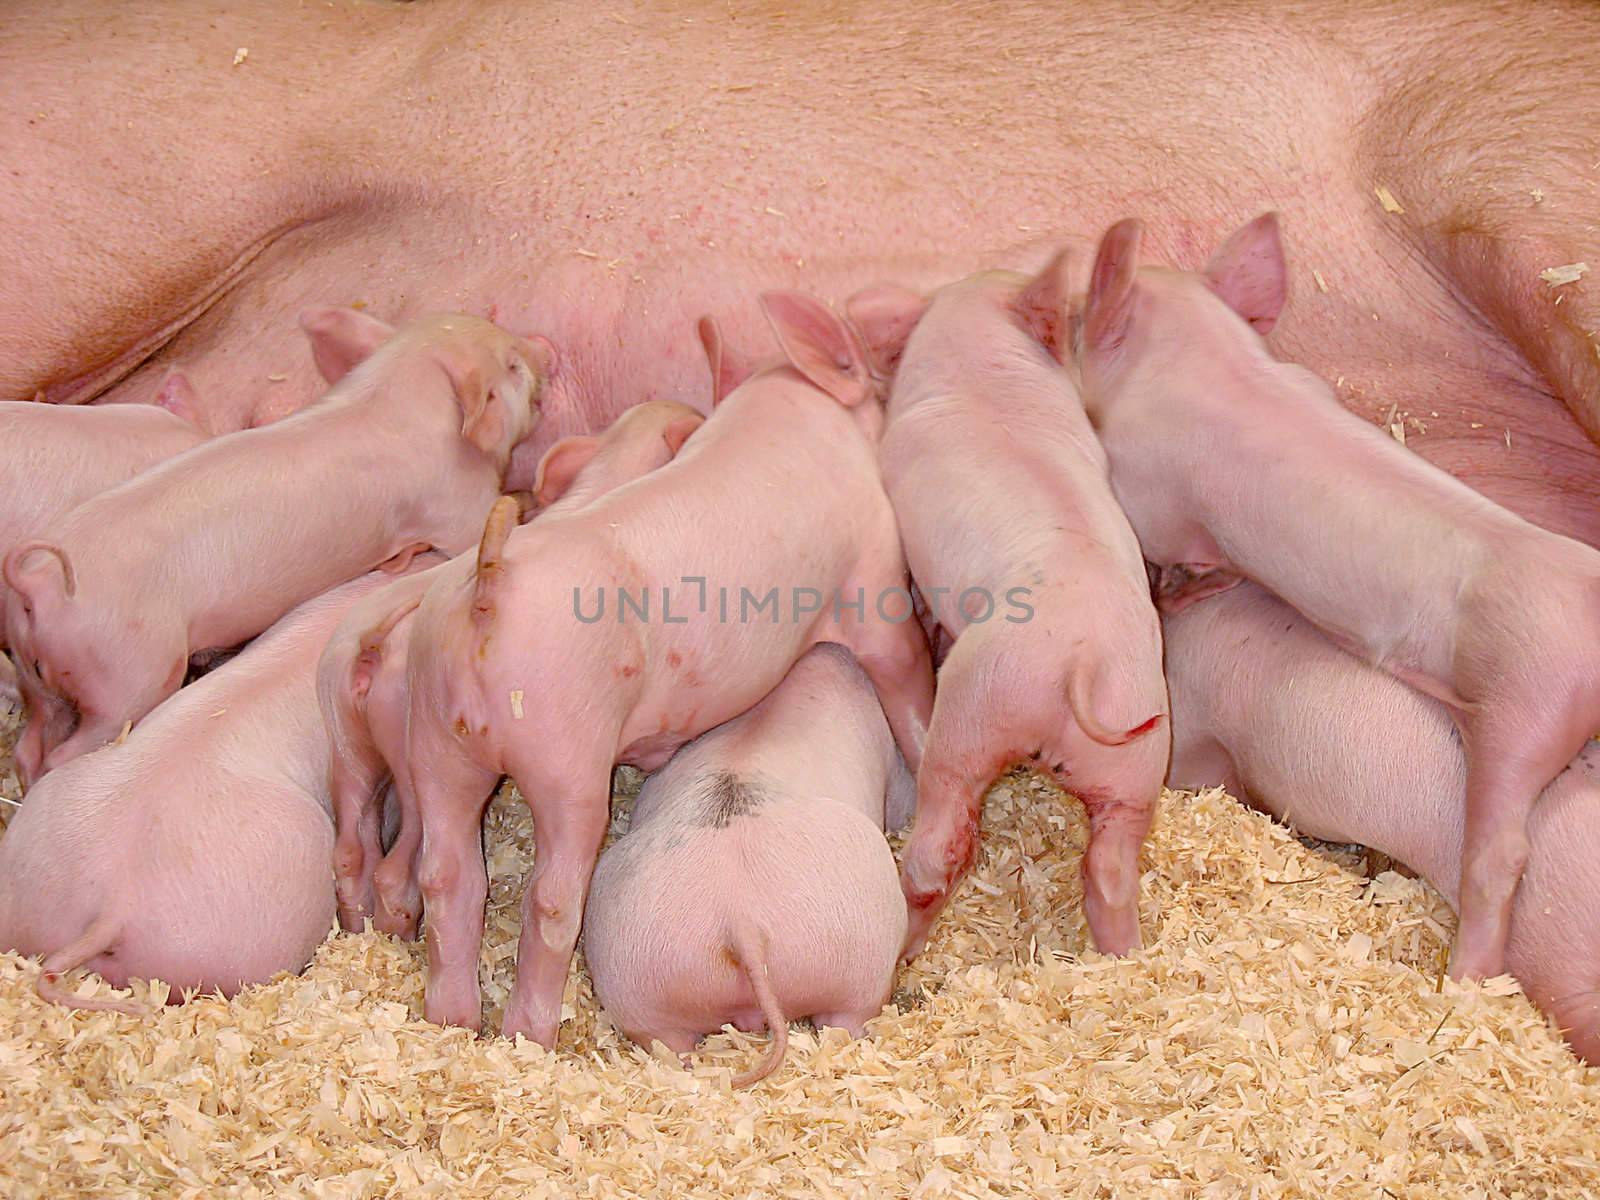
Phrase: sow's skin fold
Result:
[361,680]
[1232,464]
[1002,496]
[197,851]
[1267,707]
[754,885]
[779,489]
[408,450]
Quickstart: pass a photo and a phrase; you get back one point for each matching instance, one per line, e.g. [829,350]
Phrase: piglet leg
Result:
[451,794]
[896,659]
[357,817]
[1504,778]
[1117,831]
[394,880]
[960,762]
[569,824]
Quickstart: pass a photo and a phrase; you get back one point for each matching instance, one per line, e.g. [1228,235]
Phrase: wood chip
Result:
[1555,277]
[1386,198]
[1322,284]
[239,55]
[1269,1041]
[516,704]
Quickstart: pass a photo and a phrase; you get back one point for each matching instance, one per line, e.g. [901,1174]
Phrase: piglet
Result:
[1231,464]
[197,851]
[408,450]
[754,885]
[361,679]
[1265,706]
[1024,559]
[770,532]
[54,457]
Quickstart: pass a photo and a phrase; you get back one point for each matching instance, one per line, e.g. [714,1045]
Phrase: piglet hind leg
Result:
[1117,831]
[896,659]
[451,794]
[967,749]
[397,896]
[1506,771]
[571,809]
[357,818]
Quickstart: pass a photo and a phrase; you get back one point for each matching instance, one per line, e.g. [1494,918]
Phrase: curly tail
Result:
[502,520]
[750,945]
[1083,710]
[99,937]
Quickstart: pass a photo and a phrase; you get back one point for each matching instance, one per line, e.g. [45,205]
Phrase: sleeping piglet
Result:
[197,851]
[1267,707]
[408,450]
[755,885]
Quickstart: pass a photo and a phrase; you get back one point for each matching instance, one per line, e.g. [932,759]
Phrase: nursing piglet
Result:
[408,450]
[197,851]
[361,681]
[1024,558]
[54,457]
[1267,707]
[754,885]
[775,501]
[1231,464]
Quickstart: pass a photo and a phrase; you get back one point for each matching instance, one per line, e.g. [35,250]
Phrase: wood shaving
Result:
[1270,1041]
[1386,198]
[239,55]
[1322,284]
[1555,277]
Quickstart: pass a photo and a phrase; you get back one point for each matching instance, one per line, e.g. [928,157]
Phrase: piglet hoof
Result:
[353,918]
[919,921]
[442,1007]
[521,1024]
[398,921]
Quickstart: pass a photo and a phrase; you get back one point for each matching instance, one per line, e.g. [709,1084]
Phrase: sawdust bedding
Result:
[1285,1033]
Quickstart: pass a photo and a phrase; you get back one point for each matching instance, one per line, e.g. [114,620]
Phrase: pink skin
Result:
[787,465]
[358,678]
[222,197]
[362,676]
[1267,707]
[755,886]
[1400,563]
[408,450]
[196,852]
[56,457]
[1000,487]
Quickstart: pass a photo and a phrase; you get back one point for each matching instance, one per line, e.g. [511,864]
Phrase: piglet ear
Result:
[560,466]
[1043,303]
[726,375]
[886,313]
[178,396]
[1109,305]
[341,338]
[820,346]
[678,431]
[1250,274]
[499,406]
[523,470]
